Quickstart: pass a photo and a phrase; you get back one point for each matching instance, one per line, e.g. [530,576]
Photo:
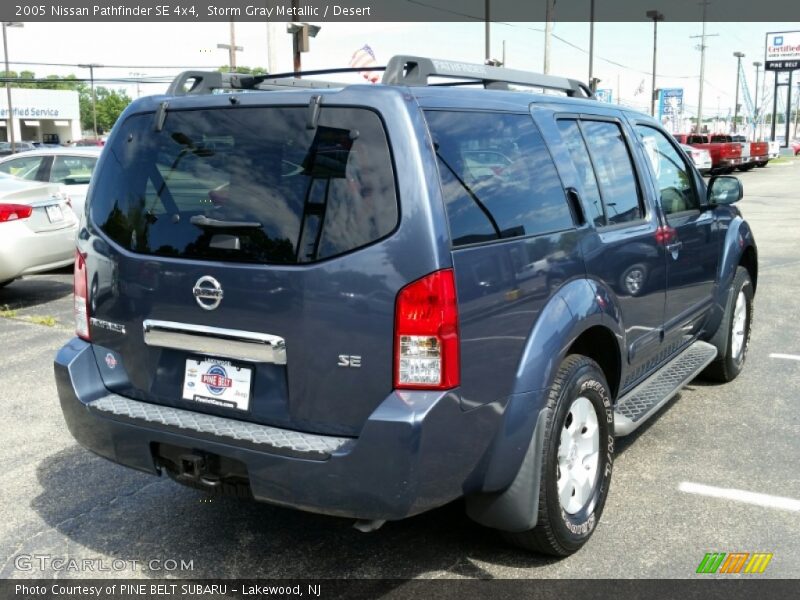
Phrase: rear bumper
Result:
[417,451]
[23,252]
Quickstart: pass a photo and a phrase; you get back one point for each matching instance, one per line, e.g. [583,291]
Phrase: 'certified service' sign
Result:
[783,51]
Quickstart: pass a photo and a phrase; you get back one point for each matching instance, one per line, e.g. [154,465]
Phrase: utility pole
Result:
[136,75]
[656,17]
[548,33]
[757,65]
[487,32]
[739,56]
[702,49]
[92,67]
[504,53]
[232,49]
[591,43]
[10,118]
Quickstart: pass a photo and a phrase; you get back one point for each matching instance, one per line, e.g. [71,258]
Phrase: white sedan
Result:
[700,157]
[71,168]
[37,228]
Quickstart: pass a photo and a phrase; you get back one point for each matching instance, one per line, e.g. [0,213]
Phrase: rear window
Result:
[498,179]
[247,184]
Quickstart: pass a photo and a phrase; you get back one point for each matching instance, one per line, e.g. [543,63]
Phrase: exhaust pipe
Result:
[367,525]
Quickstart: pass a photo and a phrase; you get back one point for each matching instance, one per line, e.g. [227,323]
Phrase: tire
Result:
[733,336]
[746,167]
[761,165]
[581,409]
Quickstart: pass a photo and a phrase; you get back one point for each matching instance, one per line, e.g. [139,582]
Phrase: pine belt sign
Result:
[783,51]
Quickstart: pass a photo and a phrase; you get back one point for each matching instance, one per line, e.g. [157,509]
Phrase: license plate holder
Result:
[54,213]
[218,382]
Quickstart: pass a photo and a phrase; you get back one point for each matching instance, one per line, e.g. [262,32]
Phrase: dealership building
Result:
[52,116]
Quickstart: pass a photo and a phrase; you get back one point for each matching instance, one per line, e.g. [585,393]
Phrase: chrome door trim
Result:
[216,341]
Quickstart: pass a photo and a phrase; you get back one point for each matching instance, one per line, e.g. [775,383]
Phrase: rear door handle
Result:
[674,246]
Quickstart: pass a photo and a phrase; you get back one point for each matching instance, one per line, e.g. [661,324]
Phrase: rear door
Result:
[250,252]
[622,250]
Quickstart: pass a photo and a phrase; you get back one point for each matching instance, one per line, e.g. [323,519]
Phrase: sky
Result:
[623,51]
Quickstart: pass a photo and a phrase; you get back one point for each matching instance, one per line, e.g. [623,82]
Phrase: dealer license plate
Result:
[217,382]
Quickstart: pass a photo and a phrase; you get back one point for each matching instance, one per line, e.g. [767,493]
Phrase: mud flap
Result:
[516,508]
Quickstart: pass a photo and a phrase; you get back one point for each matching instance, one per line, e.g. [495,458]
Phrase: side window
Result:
[673,177]
[614,170]
[24,168]
[571,134]
[72,169]
[497,177]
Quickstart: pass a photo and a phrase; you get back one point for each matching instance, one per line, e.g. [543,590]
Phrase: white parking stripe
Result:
[786,356]
[741,496]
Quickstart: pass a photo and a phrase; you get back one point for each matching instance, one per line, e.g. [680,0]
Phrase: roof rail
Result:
[415,71]
[205,82]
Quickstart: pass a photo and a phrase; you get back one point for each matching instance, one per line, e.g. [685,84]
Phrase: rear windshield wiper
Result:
[204,221]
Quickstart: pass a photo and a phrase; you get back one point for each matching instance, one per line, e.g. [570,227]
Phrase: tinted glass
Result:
[248,184]
[72,169]
[497,176]
[672,175]
[571,134]
[25,167]
[614,170]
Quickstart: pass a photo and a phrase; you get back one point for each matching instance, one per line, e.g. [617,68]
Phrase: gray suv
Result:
[371,300]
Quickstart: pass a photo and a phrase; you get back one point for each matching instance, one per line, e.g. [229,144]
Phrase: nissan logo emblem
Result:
[208,292]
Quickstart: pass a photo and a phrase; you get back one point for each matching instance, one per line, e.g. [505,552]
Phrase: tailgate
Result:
[244,253]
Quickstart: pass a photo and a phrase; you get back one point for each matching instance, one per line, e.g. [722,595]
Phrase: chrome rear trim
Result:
[216,341]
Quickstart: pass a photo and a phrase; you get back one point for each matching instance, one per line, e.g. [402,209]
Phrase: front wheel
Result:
[733,337]
[576,464]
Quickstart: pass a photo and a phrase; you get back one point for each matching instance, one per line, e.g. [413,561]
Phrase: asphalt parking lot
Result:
[663,514]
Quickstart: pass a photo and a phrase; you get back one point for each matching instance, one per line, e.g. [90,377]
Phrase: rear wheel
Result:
[733,337]
[761,165]
[577,458]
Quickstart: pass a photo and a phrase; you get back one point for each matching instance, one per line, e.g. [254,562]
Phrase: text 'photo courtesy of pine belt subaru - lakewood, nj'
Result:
[371,300]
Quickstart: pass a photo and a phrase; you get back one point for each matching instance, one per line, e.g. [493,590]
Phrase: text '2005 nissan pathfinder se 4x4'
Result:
[371,300]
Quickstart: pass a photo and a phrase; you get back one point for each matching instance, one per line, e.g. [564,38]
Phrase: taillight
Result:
[81,288]
[426,353]
[14,212]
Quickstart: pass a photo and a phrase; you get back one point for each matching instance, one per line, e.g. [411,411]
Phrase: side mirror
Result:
[724,189]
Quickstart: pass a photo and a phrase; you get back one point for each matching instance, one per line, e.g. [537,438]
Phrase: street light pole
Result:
[739,56]
[591,43]
[92,67]
[656,17]
[757,65]
[9,119]
[487,41]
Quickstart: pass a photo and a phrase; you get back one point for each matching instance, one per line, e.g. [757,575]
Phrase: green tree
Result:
[244,70]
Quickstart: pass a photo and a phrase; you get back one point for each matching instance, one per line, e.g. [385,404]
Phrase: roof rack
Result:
[401,70]
[415,71]
[205,82]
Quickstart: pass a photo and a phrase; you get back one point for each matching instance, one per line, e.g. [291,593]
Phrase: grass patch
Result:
[8,313]
[46,321]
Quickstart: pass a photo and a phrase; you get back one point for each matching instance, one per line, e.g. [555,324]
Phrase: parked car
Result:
[69,167]
[754,154]
[5,147]
[725,156]
[796,147]
[37,228]
[369,301]
[89,142]
[700,157]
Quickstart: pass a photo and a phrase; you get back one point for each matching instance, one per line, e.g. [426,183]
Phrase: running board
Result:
[643,401]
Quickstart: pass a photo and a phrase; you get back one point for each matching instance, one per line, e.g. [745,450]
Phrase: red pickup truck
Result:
[725,156]
[759,151]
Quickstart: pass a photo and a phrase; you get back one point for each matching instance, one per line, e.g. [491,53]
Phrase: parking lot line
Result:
[744,496]
[785,356]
